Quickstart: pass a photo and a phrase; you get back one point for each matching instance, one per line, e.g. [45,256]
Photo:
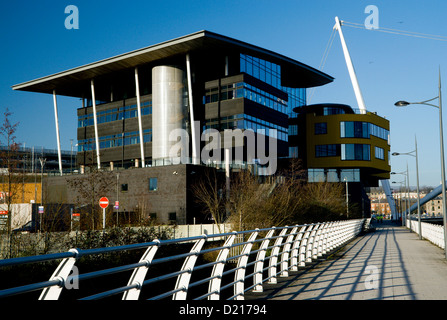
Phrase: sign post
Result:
[103,203]
[40,210]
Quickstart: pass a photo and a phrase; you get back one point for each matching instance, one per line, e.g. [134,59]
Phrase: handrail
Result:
[259,260]
[432,232]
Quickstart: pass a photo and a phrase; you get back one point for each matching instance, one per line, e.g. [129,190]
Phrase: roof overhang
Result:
[71,82]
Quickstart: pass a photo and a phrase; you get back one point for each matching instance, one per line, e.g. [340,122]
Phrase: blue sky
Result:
[389,67]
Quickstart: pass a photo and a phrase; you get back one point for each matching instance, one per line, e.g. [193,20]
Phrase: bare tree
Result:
[209,191]
[321,201]
[283,199]
[87,190]
[11,182]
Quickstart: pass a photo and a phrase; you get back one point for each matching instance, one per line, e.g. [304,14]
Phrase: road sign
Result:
[117,204]
[40,209]
[103,202]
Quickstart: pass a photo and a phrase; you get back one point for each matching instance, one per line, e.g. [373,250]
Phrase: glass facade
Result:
[245,121]
[327,111]
[327,150]
[293,152]
[248,91]
[333,175]
[116,140]
[355,152]
[379,153]
[359,129]
[321,128]
[270,73]
[115,114]
[293,130]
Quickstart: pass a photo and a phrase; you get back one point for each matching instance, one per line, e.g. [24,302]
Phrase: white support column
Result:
[191,111]
[140,125]
[354,81]
[62,273]
[56,118]
[95,122]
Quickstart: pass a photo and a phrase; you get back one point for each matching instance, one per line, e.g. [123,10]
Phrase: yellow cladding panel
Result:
[333,136]
[21,192]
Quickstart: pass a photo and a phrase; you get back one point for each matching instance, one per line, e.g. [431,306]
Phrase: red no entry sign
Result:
[103,202]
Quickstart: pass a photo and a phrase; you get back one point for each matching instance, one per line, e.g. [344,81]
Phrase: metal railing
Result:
[432,232]
[265,255]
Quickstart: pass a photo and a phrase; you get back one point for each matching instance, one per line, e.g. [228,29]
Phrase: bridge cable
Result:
[396,31]
[324,58]
[381,29]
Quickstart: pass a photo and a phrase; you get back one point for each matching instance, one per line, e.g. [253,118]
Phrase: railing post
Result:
[332,235]
[327,230]
[303,246]
[286,253]
[188,265]
[296,249]
[241,265]
[61,273]
[139,274]
[214,285]
[310,244]
[259,264]
[274,257]
[338,235]
[316,251]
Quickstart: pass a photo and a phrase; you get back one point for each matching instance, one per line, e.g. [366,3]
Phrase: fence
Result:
[185,274]
[432,232]
[50,242]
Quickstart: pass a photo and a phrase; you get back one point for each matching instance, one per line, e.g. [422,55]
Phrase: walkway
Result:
[390,263]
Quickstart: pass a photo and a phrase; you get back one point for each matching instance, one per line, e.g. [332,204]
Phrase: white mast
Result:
[355,83]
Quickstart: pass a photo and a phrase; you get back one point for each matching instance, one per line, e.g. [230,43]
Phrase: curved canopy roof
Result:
[71,82]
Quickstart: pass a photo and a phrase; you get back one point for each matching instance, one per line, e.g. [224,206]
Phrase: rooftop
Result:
[73,82]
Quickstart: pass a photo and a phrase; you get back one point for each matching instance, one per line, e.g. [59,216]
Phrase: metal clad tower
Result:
[169,111]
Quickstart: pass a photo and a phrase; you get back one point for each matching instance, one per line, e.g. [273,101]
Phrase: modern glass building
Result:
[137,107]
[132,102]
[338,144]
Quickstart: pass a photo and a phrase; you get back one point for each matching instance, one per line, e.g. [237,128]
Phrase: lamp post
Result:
[407,187]
[400,194]
[347,200]
[417,184]
[441,139]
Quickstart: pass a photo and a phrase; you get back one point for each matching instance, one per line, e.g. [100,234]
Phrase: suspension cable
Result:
[381,29]
[396,31]
[324,58]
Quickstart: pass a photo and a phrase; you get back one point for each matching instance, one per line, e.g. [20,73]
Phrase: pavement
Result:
[389,263]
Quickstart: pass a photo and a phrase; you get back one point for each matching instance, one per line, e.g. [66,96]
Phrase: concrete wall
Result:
[21,213]
[172,194]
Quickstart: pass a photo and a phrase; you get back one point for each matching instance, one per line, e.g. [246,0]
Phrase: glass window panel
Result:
[262,74]
[317,175]
[256,71]
[331,175]
[153,184]
[243,64]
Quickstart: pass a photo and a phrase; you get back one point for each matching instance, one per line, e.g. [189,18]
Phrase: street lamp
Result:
[441,140]
[417,180]
[407,186]
[347,197]
[400,195]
